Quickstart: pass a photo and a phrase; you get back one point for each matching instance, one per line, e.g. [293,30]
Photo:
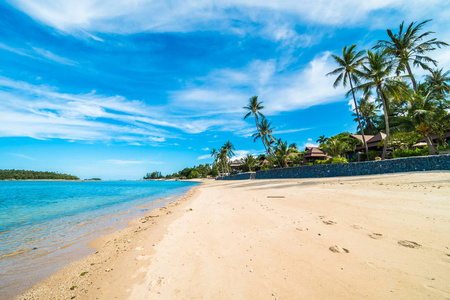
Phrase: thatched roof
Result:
[359,137]
[314,152]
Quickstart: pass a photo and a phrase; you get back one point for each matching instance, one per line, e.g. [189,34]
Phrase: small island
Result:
[34,175]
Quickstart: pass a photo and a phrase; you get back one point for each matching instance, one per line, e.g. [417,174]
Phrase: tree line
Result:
[24,175]
[384,78]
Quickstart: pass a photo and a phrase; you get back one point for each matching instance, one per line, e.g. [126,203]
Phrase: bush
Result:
[334,160]
[407,153]
[194,174]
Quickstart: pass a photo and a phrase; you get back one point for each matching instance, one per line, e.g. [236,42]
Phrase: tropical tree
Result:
[230,147]
[249,162]
[215,154]
[335,147]
[322,139]
[223,159]
[377,72]
[265,134]
[409,46]
[293,146]
[438,84]
[348,71]
[283,151]
[421,111]
[368,112]
[254,107]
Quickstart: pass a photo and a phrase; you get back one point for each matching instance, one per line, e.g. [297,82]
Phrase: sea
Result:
[46,225]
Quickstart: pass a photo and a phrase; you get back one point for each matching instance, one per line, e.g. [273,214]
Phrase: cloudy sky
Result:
[116,89]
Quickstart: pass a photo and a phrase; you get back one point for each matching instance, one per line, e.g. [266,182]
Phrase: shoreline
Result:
[267,239]
[63,257]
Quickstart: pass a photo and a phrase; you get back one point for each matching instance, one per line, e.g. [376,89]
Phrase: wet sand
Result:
[368,237]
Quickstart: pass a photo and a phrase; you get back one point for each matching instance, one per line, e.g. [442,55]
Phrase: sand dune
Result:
[371,237]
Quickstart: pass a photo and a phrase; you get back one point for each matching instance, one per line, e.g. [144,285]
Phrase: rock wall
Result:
[409,164]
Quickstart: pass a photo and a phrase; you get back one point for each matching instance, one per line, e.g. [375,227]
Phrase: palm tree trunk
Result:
[359,119]
[386,120]
[408,68]
[262,140]
[274,155]
[431,148]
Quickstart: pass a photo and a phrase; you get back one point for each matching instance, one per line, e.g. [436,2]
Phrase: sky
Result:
[116,89]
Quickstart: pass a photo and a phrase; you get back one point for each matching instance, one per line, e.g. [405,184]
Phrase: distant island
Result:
[30,175]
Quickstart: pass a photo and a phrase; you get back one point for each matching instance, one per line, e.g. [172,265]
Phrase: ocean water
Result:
[44,225]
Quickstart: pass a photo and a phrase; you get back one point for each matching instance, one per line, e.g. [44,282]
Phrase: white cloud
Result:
[290,130]
[53,57]
[310,145]
[23,156]
[39,53]
[238,154]
[297,89]
[206,156]
[41,112]
[121,16]
[206,149]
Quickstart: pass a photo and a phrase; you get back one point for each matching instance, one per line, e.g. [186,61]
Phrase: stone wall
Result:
[240,176]
[409,164]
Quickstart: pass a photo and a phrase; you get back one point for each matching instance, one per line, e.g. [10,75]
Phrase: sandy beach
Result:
[368,237]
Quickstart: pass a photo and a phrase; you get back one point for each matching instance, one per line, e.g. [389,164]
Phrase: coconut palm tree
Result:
[438,84]
[348,70]
[283,151]
[254,108]
[377,72]
[335,147]
[322,139]
[293,146]
[249,162]
[265,134]
[214,154]
[408,46]
[223,159]
[230,147]
[422,110]
[368,112]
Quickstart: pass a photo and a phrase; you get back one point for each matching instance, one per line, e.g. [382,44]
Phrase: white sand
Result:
[334,238]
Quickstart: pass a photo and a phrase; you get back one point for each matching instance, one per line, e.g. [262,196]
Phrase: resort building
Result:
[314,153]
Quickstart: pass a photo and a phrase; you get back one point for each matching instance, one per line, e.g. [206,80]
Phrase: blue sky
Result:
[118,89]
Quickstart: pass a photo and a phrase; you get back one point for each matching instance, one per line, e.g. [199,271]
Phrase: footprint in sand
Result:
[356,227]
[409,244]
[375,235]
[337,249]
[329,222]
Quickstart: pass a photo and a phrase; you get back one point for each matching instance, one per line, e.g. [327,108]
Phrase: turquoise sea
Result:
[44,225]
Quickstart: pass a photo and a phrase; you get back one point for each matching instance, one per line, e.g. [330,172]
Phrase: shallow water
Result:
[43,224]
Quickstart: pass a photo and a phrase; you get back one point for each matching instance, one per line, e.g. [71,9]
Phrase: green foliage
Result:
[201,171]
[95,179]
[334,160]
[373,154]
[404,140]
[153,175]
[249,163]
[194,174]
[407,153]
[24,175]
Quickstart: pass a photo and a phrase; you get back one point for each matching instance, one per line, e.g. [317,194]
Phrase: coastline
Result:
[50,263]
[381,236]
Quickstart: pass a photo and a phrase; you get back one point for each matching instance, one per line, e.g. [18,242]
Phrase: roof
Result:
[313,152]
[237,163]
[435,136]
[359,137]
[373,141]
